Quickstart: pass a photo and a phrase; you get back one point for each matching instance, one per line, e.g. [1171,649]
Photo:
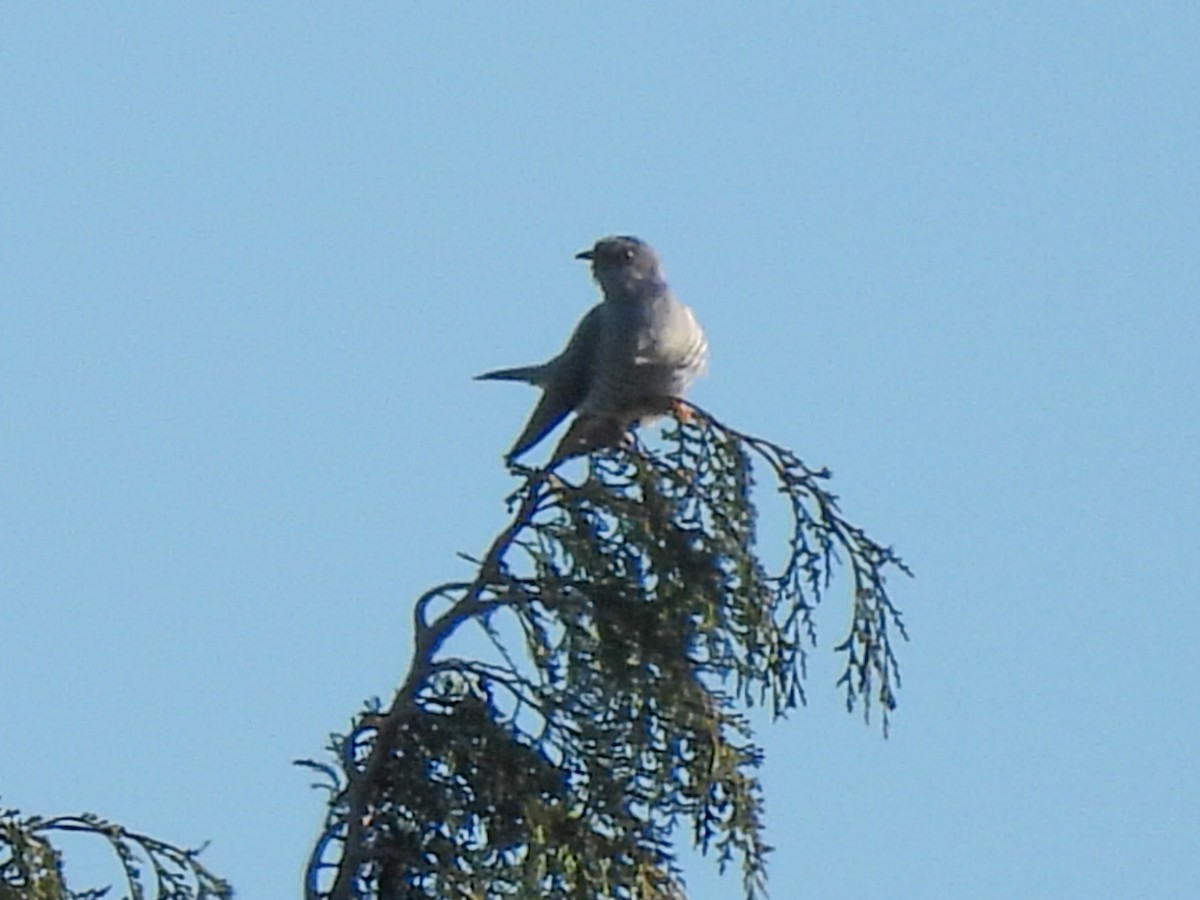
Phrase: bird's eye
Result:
[628,253]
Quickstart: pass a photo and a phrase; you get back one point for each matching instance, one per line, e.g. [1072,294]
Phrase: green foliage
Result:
[632,619]
[31,867]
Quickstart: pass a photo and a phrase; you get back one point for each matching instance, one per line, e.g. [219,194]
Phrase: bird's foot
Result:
[682,410]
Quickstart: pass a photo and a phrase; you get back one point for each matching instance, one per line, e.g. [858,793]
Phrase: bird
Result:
[630,359]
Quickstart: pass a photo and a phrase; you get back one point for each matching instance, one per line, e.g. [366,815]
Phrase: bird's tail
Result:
[528,374]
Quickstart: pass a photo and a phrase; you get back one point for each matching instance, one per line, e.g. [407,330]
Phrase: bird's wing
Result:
[566,381]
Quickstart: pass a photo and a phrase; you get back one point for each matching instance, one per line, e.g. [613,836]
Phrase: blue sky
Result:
[250,258]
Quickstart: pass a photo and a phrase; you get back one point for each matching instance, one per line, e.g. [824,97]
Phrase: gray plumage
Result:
[629,356]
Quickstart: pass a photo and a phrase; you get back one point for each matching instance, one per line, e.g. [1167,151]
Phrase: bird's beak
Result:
[584,254]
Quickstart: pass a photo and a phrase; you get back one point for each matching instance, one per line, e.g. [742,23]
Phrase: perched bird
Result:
[630,357]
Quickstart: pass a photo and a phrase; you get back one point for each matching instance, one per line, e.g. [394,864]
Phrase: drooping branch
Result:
[30,865]
[647,617]
[819,536]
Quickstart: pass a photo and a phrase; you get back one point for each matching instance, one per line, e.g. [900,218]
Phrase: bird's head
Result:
[623,265]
